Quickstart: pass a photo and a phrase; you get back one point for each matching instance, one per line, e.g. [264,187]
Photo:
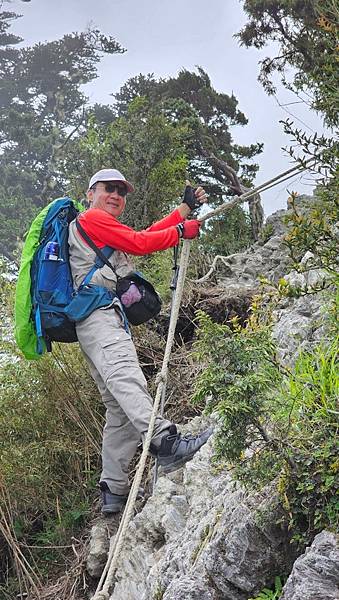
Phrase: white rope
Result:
[102,591]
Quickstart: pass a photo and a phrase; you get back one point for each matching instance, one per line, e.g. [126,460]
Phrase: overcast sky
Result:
[161,37]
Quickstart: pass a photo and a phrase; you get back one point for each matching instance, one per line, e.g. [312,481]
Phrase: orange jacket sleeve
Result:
[105,230]
[174,218]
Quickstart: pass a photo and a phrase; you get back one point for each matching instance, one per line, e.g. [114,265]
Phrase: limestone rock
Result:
[247,548]
[298,325]
[296,280]
[98,549]
[275,222]
[190,588]
[315,574]
[200,536]
[308,259]
[244,269]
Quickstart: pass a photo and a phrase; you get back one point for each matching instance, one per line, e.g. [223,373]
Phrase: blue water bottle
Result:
[52,251]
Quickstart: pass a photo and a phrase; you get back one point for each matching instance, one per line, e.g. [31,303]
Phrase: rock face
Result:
[200,536]
[270,260]
[299,322]
[315,574]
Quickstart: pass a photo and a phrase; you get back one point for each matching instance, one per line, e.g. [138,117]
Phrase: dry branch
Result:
[254,202]
[212,268]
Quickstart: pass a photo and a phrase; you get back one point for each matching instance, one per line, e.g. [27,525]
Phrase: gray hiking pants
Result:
[114,366]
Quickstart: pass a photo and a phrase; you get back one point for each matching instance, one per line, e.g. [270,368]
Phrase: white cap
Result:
[110,175]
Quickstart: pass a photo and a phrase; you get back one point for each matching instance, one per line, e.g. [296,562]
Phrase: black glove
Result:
[190,198]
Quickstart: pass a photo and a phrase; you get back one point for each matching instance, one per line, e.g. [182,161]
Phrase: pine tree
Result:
[41,108]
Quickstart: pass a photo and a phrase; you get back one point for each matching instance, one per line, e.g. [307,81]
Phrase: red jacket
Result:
[105,230]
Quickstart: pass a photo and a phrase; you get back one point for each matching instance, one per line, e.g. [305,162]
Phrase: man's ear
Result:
[90,197]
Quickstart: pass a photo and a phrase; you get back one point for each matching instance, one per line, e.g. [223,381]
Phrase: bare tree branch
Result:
[212,268]
[254,203]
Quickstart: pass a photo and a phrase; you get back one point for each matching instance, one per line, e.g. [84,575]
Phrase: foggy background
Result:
[163,37]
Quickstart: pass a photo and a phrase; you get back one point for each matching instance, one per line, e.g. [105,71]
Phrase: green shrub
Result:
[237,379]
[157,267]
[274,424]
[266,233]
[226,236]
[315,229]
[310,415]
[50,437]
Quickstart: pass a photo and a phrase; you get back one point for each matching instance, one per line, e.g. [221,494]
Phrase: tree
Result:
[146,147]
[190,99]
[8,55]
[43,102]
[307,36]
[41,108]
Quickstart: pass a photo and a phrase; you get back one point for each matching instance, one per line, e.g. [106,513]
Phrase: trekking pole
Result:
[260,188]
[173,287]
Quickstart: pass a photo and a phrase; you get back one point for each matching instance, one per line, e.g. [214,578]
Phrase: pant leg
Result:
[119,441]
[110,349]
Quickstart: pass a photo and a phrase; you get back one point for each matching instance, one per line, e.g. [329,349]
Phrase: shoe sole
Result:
[110,509]
[177,465]
[169,468]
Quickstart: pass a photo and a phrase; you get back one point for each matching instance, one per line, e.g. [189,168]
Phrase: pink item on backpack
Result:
[132,296]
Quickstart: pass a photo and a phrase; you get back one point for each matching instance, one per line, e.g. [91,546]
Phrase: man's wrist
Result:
[184,210]
[180,229]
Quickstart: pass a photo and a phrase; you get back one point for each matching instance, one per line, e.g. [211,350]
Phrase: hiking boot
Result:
[113,503]
[175,450]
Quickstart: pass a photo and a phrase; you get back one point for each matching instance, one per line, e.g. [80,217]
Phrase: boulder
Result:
[297,325]
[315,574]
[98,549]
[201,536]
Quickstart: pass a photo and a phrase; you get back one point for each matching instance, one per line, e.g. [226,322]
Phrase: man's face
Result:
[110,196]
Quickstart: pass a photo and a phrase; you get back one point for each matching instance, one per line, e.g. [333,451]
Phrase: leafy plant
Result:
[267,594]
[309,490]
[274,424]
[238,375]
[227,236]
[314,230]
[266,233]
[159,593]
[158,267]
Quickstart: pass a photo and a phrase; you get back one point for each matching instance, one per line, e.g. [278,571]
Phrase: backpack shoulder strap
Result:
[102,254]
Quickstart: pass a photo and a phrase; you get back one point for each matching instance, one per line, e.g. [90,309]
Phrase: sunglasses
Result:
[115,187]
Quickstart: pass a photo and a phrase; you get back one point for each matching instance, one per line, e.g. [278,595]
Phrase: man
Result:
[108,347]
